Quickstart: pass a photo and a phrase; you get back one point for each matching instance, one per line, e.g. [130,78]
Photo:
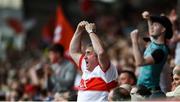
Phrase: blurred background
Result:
[26,24]
[29,27]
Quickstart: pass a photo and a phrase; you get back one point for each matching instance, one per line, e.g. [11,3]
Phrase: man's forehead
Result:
[177,73]
[89,49]
[176,76]
[176,70]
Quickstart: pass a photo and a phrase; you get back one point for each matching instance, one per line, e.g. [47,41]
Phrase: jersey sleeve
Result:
[158,56]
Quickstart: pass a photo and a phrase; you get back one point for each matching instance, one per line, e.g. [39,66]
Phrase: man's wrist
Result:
[135,41]
[91,31]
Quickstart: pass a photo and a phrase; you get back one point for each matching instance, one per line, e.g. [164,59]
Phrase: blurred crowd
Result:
[27,73]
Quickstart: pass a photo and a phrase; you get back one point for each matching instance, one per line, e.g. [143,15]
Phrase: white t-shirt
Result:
[95,85]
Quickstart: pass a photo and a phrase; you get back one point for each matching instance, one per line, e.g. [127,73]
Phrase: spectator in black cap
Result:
[156,53]
[165,22]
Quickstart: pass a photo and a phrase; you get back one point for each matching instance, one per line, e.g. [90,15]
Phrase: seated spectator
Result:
[140,93]
[119,94]
[176,83]
[127,77]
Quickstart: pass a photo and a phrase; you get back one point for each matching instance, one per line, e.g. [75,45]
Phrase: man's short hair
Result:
[58,48]
[131,75]
[176,70]
[121,94]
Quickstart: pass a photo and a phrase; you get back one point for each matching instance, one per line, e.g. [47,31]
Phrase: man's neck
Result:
[159,40]
[93,67]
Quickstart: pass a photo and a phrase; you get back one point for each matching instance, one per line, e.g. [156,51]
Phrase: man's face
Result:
[176,79]
[157,29]
[124,79]
[90,58]
[53,56]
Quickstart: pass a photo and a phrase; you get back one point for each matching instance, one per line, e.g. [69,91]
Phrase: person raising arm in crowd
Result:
[98,73]
[155,55]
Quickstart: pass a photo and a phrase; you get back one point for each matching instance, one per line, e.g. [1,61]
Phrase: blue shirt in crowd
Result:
[150,74]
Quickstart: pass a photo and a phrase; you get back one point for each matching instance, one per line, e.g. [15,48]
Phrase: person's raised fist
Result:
[146,15]
[82,24]
[90,28]
[134,35]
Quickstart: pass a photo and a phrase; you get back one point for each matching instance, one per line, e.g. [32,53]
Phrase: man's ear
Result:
[163,29]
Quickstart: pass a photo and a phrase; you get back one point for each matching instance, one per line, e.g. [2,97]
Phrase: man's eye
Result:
[176,79]
[88,52]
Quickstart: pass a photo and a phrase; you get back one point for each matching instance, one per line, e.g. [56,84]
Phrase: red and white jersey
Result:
[95,85]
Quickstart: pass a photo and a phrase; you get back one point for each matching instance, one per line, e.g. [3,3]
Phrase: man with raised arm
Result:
[152,61]
[98,73]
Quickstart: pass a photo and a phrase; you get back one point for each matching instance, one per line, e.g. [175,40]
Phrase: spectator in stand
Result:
[174,44]
[98,73]
[155,55]
[127,77]
[176,77]
[62,72]
[176,37]
[121,93]
[176,83]
[140,93]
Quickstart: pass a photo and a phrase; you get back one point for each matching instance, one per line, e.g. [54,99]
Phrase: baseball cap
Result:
[175,93]
[164,21]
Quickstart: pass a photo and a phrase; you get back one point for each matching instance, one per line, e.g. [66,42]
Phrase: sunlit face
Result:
[53,57]
[91,59]
[157,29]
[176,79]
[176,75]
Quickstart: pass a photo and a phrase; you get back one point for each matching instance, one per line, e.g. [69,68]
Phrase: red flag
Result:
[48,31]
[15,24]
[63,32]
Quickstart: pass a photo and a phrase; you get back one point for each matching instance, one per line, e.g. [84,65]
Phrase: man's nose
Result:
[85,57]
